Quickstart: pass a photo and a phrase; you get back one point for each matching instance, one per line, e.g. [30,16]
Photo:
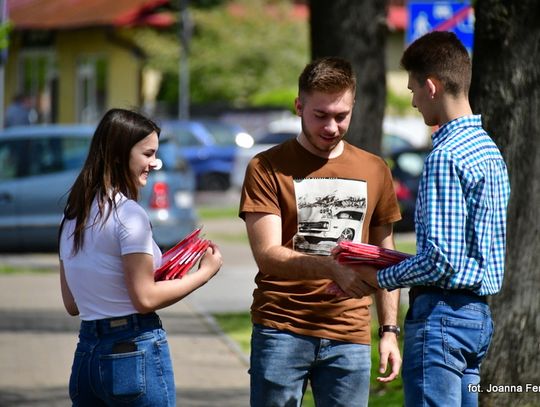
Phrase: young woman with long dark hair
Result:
[107,260]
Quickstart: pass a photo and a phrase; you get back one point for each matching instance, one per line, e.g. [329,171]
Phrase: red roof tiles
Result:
[66,14]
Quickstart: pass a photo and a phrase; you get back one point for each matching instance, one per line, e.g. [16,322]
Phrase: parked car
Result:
[407,166]
[38,165]
[210,147]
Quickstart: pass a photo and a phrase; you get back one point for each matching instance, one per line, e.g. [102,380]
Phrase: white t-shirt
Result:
[95,275]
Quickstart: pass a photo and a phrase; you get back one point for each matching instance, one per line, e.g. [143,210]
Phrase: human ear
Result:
[298,106]
[431,83]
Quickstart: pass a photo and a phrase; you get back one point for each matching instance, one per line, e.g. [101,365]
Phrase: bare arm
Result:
[387,310]
[148,295]
[67,296]
[264,233]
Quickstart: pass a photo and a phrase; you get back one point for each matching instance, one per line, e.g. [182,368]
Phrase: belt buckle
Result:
[115,323]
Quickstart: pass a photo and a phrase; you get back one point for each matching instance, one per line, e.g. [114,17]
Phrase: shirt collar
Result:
[448,129]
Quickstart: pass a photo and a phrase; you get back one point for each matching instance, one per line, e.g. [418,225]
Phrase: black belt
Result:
[108,326]
[418,290]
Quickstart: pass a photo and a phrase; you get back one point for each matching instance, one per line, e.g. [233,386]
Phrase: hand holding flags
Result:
[177,261]
[362,253]
[347,252]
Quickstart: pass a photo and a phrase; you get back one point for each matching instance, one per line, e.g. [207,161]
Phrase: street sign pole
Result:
[3,59]
[184,27]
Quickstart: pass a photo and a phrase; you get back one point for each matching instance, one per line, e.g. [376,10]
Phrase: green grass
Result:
[405,246]
[238,327]
[211,212]
[8,269]
[227,237]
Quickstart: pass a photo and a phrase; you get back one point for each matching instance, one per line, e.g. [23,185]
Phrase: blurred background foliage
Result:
[240,56]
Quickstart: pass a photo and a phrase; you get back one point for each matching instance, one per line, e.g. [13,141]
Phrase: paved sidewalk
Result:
[37,340]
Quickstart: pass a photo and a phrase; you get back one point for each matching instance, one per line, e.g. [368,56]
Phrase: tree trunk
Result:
[506,90]
[356,30]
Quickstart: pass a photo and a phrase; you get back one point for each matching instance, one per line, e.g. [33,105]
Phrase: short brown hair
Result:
[328,75]
[442,55]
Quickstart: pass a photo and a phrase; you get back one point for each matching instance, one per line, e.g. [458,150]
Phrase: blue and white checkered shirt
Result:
[460,214]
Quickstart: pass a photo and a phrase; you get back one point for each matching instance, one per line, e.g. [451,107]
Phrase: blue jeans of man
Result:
[122,362]
[282,363]
[446,338]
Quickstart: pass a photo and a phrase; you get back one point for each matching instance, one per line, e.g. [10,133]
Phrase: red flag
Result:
[177,261]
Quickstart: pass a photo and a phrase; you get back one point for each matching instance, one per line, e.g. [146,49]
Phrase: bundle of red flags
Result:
[362,253]
[177,261]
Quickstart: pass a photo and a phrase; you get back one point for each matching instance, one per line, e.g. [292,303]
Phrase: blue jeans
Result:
[122,362]
[283,362]
[446,338]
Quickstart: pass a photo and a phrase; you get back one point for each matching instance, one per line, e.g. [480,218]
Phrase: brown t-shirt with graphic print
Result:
[320,201]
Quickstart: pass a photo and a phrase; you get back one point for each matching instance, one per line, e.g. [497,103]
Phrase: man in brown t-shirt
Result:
[298,200]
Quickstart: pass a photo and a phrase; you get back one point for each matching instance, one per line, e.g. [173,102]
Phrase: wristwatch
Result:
[389,328]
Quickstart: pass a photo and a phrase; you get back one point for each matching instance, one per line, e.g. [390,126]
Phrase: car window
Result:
[183,137]
[75,151]
[223,133]
[392,143]
[10,159]
[275,138]
[44,156]
[41,156]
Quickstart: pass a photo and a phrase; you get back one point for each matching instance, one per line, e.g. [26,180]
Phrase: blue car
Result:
[210,147]
[38,165]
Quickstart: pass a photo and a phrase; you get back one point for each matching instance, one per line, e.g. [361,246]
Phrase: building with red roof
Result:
[76,58]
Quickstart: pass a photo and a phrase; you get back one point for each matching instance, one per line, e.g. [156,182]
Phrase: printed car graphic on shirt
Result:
[343,225]
[329,210]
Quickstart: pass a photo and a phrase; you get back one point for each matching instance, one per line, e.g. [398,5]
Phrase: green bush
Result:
[275,98]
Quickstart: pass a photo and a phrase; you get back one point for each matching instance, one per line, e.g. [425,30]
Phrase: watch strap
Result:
[389,328]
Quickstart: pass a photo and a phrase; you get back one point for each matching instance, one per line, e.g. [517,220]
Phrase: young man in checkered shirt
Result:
[460,226]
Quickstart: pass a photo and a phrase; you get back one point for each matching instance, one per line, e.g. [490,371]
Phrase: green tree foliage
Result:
[5,29]
[242,53]
[241,56]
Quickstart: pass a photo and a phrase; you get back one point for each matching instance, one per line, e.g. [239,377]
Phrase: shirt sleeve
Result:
[441,226]
[259,192]
[134,229]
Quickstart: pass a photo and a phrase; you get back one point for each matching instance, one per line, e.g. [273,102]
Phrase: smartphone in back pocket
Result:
[124,347]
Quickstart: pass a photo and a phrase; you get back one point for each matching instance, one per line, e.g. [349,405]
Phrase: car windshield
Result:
[275,138]
[224,133]
[392,143]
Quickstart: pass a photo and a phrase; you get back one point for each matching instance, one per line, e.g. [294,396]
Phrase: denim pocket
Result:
[75,373]
[462,340]
[122,375]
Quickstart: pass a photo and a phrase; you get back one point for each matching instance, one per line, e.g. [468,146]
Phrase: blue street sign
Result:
[451,15]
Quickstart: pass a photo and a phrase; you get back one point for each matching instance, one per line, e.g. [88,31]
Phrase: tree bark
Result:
[356,30]
[506,91]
